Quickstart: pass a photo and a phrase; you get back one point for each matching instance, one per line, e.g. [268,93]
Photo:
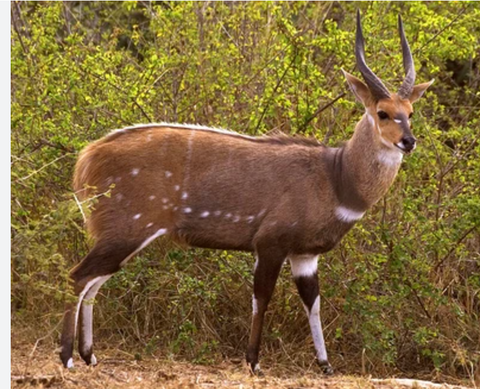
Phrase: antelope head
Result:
[390,113]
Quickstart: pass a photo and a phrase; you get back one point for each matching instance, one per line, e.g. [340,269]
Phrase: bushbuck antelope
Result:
[279,197]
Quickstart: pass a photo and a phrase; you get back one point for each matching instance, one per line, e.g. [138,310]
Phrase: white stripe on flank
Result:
[347,215]
[182,127]
[146,242]
[303,265]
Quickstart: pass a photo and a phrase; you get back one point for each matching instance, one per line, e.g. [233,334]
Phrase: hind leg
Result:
[85,333]
[104,260]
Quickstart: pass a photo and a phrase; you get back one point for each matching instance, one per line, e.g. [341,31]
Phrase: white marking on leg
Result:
[135,171]
[204,214]
[137,216]
[317,332]
[347,215]
[303,265]
[254,306]
[87,313]
[70,363]
[390,157]
[146,242]
[80,299]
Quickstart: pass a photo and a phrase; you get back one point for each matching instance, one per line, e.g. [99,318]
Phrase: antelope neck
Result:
[359,178]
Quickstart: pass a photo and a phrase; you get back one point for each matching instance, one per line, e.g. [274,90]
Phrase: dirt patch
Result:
[41,368]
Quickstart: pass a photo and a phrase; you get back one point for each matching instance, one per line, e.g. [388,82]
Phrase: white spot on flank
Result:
[149,225]
[135,171]
[262,212]
[205,214]
[109,180]
[217,213]
[164,200]
[70,363]
[118,179]
[228,215]
[250,219]
[175,208]
[303,265]
[390,157]
[177,188]
[165,207]
[152,197]
[137,216]
[184,195]
[119,196]
[347,215]
[187,210]
[168,174]
[236,219]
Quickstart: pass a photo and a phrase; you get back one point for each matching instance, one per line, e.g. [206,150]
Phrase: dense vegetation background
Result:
[402,291]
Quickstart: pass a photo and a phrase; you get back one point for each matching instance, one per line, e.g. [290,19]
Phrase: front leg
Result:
[304,270]
[267,268]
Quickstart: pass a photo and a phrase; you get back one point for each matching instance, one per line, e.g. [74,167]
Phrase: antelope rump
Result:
[283,198]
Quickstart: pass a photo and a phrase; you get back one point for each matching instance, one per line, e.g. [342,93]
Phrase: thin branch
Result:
[319,111]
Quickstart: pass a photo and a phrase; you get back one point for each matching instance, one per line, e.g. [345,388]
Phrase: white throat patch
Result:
[390,157]
[347,215]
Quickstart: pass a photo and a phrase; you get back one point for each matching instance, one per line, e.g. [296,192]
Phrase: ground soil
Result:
[37,365]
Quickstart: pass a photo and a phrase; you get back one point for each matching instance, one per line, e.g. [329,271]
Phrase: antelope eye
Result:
[382,115]
[410,116]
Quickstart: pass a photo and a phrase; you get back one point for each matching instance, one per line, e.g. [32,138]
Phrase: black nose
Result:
[409,142]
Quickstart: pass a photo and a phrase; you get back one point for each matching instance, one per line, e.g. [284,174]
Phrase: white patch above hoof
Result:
[70,363]
[93,360]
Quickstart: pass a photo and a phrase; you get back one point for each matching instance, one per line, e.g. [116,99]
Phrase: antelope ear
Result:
[418,90]
[359,89]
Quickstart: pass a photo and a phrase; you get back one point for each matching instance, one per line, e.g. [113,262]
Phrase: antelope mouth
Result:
[400,146]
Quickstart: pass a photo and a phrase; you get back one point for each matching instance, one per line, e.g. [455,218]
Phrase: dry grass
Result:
[38,365]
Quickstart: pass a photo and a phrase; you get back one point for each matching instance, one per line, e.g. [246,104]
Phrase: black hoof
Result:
[326,368]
